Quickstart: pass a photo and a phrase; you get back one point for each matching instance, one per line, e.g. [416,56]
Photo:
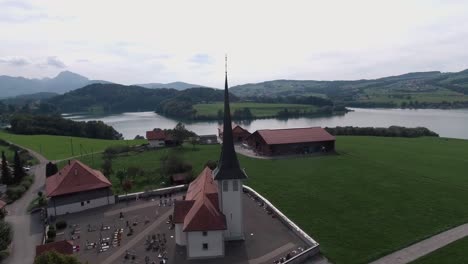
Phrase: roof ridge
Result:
[292,128]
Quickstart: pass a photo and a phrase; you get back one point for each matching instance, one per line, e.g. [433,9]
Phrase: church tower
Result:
[230,176]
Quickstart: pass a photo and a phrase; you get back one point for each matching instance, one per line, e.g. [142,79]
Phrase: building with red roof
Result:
[156,138]
[239,134]
[63,247]
[271,142]
[77,187]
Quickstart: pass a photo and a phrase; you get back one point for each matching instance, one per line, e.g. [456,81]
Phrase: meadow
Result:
[376,196]
[455,252]
[62,147]
[258,109]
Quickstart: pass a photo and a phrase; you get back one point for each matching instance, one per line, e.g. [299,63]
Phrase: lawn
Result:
[457,252]
[61,147]
[257,109]
[378,195]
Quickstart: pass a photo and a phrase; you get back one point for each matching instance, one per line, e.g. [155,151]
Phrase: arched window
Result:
[235,186]
[225,186]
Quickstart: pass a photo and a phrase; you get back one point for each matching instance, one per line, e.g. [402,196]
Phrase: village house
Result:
[65,247]
[291,141]
[156,138]
[239,134]
[77,187]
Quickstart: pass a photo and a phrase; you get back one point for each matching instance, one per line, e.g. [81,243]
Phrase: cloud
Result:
[15,61]
[55,62]
[201,58]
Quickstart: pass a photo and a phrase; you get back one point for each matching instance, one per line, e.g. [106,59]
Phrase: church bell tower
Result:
[229,177]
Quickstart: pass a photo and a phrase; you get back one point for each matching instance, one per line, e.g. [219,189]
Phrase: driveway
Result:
[27,228]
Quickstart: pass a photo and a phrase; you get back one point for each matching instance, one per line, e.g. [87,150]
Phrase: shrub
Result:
[15,192]
[4,255]
[25,184]
[51,233]
[61,224]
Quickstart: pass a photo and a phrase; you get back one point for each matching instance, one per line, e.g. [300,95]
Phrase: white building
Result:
[77,187]
[212,211]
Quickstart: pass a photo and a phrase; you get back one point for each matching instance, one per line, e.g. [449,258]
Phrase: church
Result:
[212,210]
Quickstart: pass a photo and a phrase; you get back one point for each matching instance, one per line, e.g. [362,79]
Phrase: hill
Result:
[173,85]
[65,81]
[415,90]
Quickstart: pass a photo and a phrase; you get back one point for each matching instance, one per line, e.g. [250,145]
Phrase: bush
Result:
[15,192]
[25,184]
[4,255]
[62,224]
[51,233]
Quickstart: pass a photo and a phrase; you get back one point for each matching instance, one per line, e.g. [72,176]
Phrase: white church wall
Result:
[214,241]
[180,236]
[233,210]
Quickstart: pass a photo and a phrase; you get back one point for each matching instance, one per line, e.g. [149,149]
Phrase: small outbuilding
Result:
[292,141]
[77,187]
[239,133]
[64,247]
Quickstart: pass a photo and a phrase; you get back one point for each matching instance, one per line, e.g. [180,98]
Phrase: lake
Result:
[447,123]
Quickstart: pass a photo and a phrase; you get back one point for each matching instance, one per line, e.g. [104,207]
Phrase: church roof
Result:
[200,209]
[228,165]
[75,177]
[62,247]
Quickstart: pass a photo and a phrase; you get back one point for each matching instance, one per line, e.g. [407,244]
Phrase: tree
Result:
[132,172]
[18,170]
[5,235]
[107,167]
[121,176]
[53,257]
[127,186]
[6,172]
[51,169]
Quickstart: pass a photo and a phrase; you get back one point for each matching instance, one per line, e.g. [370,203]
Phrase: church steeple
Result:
[228,165]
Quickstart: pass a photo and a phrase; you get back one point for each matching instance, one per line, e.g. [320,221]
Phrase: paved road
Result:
[424,247]
[27,228]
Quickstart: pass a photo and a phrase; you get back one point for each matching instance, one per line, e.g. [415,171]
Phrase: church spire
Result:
[228,165]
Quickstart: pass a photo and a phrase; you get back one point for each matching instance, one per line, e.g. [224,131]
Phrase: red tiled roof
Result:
[75,177]
[156,135]
[2,204]
[295,135]
[234,127]
[63,247]
[200,210]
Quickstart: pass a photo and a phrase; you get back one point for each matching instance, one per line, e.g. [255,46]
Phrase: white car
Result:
[27,168]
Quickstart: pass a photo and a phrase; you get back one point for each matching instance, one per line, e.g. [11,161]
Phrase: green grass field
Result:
[61,147]
[257,109]
[454,253]
[378,195]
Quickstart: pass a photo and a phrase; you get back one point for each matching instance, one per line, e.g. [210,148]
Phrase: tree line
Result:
[392,131]
[57,125]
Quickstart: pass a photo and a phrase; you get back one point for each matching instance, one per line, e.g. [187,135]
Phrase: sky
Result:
[137,41]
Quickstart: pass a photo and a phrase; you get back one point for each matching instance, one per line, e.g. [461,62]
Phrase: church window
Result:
[82,203]
[205,246]
[204,233]
[235,186]
[225,186]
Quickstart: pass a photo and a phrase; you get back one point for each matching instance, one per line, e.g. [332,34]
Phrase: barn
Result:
[271,142]
[239,133]
[77,187]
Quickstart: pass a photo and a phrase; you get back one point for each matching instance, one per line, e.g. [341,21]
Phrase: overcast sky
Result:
[164,41]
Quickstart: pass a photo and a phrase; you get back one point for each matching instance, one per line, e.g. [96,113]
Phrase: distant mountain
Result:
[63,82]
[416,90]
[173,85]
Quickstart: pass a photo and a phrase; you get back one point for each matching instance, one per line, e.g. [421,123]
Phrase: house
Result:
[63,247]
[212,211]
[208,139]
[239,133]
[156,138]
[77,187]
[271,142]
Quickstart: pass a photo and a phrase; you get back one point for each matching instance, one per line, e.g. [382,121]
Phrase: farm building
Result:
[156,138]
[65,247]
[272,142]
[239,133]
[77,187]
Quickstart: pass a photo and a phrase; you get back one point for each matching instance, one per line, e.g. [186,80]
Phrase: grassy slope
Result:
[257,109]
[59,147]
[457,252]
[378,195]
